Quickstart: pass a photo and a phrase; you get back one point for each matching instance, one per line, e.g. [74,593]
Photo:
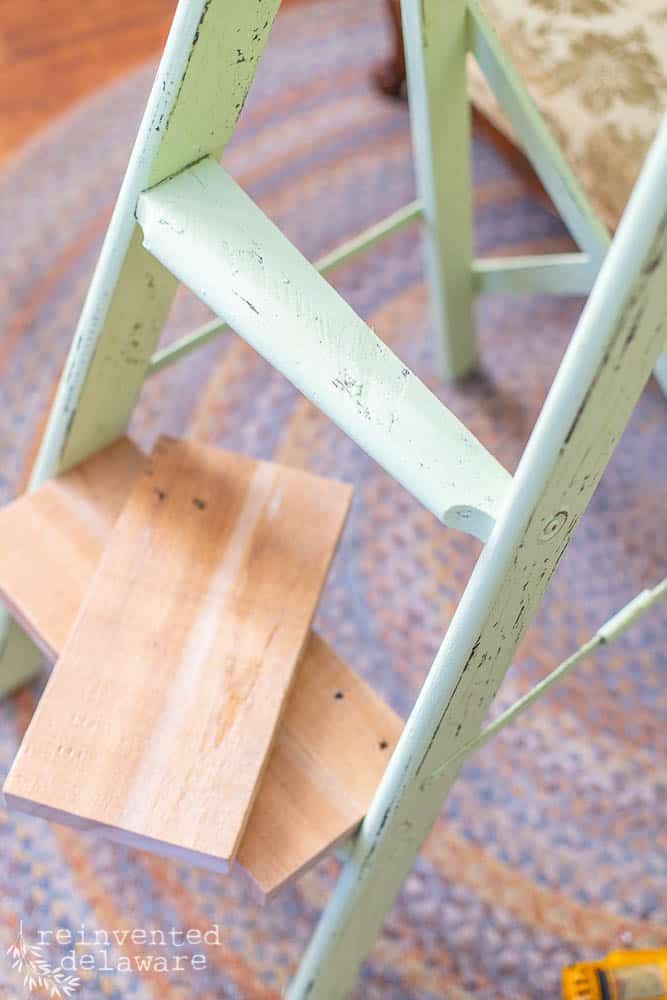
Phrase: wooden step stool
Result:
[156,728]
[180,217]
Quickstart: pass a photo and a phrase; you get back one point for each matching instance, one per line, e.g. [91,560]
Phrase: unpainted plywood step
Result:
[159,715]
[51,541]
[334,738]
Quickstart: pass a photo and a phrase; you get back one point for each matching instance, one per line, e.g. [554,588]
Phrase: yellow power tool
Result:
[622,975]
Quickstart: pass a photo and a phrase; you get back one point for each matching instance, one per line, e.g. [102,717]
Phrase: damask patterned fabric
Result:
[597,70]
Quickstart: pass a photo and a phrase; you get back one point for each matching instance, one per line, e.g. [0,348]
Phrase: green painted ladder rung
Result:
[341,255]
[206,231]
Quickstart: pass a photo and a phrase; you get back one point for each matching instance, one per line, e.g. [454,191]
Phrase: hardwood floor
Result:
[52,54]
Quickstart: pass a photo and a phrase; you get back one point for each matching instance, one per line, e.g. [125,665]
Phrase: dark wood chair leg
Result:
[389,75]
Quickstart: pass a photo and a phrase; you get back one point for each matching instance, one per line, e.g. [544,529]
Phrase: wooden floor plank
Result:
[330,751]
[158,719]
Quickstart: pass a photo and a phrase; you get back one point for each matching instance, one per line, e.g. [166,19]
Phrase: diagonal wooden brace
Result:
[204,229]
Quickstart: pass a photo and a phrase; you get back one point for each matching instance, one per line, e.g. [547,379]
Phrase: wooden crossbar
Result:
[632,612]
[534,135]
[341,255]
[208,232]
[554,274]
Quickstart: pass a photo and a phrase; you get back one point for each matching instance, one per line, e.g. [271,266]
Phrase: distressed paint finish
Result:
[435,48]
[632,612]
[204,228]
[203,78]
[341,255]
[201,84]
[618,339]
[533,133]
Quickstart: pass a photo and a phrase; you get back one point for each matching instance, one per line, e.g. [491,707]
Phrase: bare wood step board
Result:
[159,716]
[330,751]
[51,541]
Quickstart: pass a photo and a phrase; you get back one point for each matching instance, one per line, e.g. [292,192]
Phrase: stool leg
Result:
[435,35]
[20,660]
[618,339]
[660,371]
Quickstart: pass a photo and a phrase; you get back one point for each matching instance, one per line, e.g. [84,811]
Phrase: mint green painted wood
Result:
[618,340]
[435,36]
[533,133]
[556,274]
[660,371]
[341,255]
[201,84]
[619,623]
[632,612]
[198,222]
[20,660]
[209,233]
[550,165]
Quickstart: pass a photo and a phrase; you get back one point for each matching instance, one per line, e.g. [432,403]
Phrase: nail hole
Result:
[383,744]
[338,695]
[160,494]
[199,504]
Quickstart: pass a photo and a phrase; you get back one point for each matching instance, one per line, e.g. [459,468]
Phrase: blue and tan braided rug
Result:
[553,845]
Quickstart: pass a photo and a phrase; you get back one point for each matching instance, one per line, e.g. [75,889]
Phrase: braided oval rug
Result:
[553,845]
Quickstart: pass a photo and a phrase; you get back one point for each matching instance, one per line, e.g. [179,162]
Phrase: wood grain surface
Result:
[51,541]
[160,714]
[332,747]
[335,736]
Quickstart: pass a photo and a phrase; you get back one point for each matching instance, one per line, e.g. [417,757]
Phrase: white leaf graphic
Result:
[29,960]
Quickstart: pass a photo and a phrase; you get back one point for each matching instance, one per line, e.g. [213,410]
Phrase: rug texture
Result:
[553,845]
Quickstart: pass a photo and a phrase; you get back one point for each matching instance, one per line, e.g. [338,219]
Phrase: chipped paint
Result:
[619,336]
[239,264]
